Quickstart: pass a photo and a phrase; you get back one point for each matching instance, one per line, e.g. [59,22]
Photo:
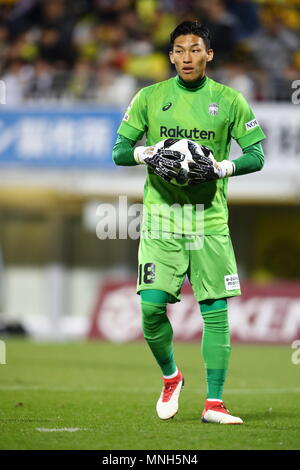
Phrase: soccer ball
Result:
[184,146]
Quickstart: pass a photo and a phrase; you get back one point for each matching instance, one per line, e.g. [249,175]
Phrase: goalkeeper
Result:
[195,107]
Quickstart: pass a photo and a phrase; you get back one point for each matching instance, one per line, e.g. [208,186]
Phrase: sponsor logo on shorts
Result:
[251,124]
[126,117]
[232,282]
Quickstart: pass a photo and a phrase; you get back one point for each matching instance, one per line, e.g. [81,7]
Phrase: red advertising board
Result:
[263,314]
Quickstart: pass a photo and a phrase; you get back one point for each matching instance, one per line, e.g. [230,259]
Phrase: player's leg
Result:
[216,350]
[215,346]
[161,274]
[157,329]
[213,275]
[158,333]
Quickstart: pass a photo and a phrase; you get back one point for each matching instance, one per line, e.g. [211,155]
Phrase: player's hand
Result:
[164,162]
[205,167]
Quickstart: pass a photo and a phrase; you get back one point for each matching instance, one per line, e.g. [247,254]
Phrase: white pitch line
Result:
[39,388]
[250,391]
[61,429]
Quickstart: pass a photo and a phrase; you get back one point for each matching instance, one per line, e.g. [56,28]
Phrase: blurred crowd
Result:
[102,51]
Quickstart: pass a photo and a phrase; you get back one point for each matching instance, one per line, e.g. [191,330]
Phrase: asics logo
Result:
[166,106]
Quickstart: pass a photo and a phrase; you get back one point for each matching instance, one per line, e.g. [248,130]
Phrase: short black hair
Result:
[192,27]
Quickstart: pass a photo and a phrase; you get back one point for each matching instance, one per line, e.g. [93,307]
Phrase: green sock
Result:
[157,329]
[215,347]
[215,379]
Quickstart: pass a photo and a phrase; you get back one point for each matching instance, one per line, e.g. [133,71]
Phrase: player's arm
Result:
[132,128]
[252,160]
[244,128]
[163,162]
[122,153]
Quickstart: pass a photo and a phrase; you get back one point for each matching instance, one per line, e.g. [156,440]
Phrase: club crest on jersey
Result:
[213,109]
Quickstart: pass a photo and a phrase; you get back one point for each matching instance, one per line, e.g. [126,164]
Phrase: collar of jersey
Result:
[191,86]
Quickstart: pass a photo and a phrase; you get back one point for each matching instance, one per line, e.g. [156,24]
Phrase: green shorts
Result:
[208,261]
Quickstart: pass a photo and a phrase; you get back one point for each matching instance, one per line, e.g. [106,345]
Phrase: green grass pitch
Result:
[94,395]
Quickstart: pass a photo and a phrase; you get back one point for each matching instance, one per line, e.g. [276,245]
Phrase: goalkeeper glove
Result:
[205,168]
[164,162]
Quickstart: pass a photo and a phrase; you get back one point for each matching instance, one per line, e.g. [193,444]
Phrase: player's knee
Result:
[212,305]
[153,315]
[215,315]
[217,325]
[154,296]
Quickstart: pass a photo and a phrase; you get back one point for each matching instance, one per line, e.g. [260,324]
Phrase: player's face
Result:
[189,55]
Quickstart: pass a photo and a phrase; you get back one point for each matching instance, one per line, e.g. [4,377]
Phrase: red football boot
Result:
[216,412]
[167,405]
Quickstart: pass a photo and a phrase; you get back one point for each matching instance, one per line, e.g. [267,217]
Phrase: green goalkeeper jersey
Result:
[210,114]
